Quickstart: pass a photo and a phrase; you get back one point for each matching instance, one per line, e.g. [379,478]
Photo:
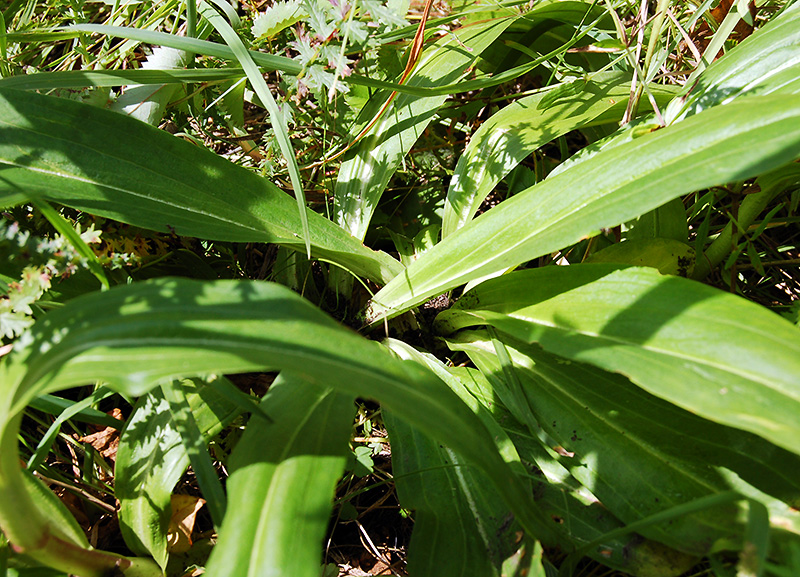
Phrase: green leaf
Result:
[135,336]
[56,405]
[563,498]
[276,117]
[666,255]
[107,78]
[282,482]
[767,62]
[710,352]
[277,17]
[520,128]
[461,525]
[195,445]
[47,440]
[364,175]
[668,221]
[628,448]
[733,142]
[151,179]
[151,460]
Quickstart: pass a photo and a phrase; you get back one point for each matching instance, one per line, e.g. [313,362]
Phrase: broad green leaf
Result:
[364,174]
[576,508]
[151,179]
[151,460]
[710,352]
[135,336]
[461,525]
[666,255]
[629,448]
[668,221]
[519,129]
[766,62]
[747,137]
[570,504]
[281,487]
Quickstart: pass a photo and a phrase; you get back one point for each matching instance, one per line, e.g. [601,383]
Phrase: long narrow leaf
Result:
[82,78]
[519,129]
[283,476]
[766,62]
[276,117]
[629,448]
[364,175]
[713,353]
[562,497]
[62,151]
[151,460]
[747,137]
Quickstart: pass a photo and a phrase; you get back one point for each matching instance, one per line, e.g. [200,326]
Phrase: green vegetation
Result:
[543,254]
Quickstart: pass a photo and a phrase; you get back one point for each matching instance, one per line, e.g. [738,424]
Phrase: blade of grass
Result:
[275,115]
[111,78]
[43,448]
[53,405]
[286,65]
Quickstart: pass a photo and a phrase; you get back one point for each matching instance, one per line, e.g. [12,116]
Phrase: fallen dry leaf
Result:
[106,441]
[181,523]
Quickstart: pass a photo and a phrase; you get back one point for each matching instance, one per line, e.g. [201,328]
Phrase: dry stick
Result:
[413,57]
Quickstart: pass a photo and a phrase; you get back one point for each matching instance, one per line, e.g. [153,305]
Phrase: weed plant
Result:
[310,287]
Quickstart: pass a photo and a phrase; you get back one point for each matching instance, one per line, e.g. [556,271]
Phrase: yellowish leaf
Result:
[181,523]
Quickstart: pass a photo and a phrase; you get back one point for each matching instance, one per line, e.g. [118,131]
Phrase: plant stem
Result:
[753,205]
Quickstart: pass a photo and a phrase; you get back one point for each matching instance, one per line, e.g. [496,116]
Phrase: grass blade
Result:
[277,119]
[195,447]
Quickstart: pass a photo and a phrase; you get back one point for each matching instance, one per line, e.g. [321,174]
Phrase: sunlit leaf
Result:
[151,179]
[283,475]
[713,353]
[749,136]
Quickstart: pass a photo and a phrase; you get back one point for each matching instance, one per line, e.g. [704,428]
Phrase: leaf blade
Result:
[154,180]
[613,186]
[677,339]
